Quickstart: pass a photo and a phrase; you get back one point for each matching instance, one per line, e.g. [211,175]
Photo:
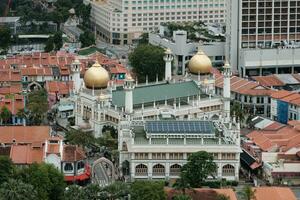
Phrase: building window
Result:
[80,165]
[228,170]
[158,170]
[175,170]
[141,170]
[68,167]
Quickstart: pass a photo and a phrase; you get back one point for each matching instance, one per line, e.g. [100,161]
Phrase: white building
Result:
[122,22]
[160,124]
[183,49]
[262,36]
[158,149]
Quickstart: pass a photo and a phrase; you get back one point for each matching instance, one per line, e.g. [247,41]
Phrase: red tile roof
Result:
[73,153]
[201,193]
[274,193]
[244,86]
[26,154]
[12,89]
[24,134]
[61,88]
[268,81]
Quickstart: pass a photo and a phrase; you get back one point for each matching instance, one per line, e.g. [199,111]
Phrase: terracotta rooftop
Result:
[268,81]
[12,89]
[59,87]
[201,193]
[287,96]
[244,86]
[283,138]
[24,134]
[274,193]
[73,153]
[26,154]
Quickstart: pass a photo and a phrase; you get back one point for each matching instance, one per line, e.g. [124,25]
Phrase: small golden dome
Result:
[96,77]
[200,63]
[168,51]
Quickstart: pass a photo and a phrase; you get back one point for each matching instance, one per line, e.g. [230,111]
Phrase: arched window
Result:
[158,170]
[228,170]
[141,170]
[80,165]
[175,170]
[68,167]
[124,146]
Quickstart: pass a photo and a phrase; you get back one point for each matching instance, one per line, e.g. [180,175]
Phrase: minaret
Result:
[128,87]
[75,69]
[226,90]
[168,58]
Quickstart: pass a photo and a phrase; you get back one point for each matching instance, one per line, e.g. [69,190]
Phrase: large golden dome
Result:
[96,77]
[200,63]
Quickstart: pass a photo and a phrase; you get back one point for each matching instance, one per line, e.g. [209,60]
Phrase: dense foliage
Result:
[5,38]
[36,107]
[147,190]
[35,10]
[15,189]
[87,39]
[5,115]
[147,60]
[200,165]
[6,169]
[54,42]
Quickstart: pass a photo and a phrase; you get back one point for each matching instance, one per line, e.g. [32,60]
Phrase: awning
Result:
[249,160]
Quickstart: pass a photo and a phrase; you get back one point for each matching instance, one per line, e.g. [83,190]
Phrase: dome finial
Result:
[200,63]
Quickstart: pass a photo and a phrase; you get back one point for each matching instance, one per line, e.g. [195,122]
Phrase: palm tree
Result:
[15,189]
[238,111]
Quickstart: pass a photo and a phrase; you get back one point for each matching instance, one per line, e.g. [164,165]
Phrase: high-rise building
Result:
[263,36]
[122,22]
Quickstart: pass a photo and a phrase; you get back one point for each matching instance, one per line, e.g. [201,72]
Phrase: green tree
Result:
[46,180]
[87,39]
[147,190]
[49,45]
[144,38]
[248,193]
[199,166]
[15,189]
[117,190]
[74,192]
[37,106]
[6,169]
[238,111]
[5,38]
[5,115]
[79,137]
[57,40]
[182,197]
[147,60]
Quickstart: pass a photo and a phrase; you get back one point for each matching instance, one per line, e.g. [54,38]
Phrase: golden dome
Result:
[200,63]
[96,77]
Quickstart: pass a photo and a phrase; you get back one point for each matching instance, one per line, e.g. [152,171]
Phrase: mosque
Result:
[161,123]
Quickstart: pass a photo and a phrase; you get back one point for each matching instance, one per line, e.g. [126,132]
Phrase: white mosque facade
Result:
[161,123]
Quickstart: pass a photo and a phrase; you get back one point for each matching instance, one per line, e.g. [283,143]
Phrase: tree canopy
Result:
[15,189]
[198,167]
[87,39]
[6,169]
[147,60]
[45,179]
[79,137]
[148,190]
[5,115]
[5,38]
[37,106]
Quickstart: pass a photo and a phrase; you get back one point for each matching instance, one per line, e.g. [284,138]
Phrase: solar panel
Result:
[179,127]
